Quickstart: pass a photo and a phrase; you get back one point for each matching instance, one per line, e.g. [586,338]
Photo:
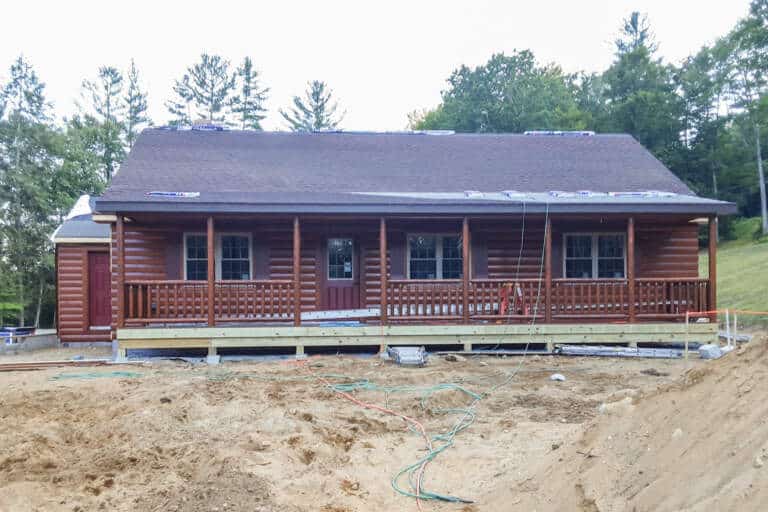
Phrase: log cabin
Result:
[230,239]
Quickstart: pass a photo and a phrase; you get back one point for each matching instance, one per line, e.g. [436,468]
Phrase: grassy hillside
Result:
[742,271]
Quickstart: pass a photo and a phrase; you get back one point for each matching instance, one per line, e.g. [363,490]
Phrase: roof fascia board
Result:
[81,240]
[704,208]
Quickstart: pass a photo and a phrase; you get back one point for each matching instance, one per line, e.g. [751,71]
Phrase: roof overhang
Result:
[81,240]
[703,207]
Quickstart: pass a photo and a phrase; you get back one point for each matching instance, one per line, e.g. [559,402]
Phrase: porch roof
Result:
[241,171]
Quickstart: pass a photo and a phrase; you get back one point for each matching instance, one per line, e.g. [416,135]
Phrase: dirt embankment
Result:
[698,444]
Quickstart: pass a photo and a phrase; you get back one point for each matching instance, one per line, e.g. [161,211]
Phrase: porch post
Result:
[211,273]
[383,267]
[120,232]
[296,272]
[548,270]
[465,270]
[713,266]
[631,267]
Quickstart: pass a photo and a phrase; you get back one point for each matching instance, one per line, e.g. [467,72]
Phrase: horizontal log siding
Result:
[503,241]
[668,251]
[72,293]
[146,258]
[280,249]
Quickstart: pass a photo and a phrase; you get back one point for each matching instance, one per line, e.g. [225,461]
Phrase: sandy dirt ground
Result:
[269,436]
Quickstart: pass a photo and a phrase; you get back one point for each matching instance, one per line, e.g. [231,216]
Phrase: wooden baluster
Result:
[270,302]
[140,302]
[130,301]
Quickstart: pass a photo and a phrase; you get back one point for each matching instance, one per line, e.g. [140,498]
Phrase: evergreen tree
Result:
[248,105]
[107,108]
[640,93]
[635,33]
[136,107]
[315,111]
[180,107]
[28,163]
[207,87]
[23,96]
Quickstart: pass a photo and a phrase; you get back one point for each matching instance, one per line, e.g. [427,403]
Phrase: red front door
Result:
[342,274]
[99,310]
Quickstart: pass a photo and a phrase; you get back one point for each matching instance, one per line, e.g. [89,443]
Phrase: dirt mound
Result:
[698,444]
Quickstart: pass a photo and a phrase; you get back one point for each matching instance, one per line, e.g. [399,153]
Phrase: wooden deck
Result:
[463,336]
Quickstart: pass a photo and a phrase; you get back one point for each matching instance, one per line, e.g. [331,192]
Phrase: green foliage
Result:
[315,111]
[742,275]
[248,105]
[203,91]
[135,101]
[507,94]
[43,169]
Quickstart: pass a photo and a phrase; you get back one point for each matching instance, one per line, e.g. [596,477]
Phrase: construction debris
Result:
[710,351]
[609,351]
[39,365]
[408,356]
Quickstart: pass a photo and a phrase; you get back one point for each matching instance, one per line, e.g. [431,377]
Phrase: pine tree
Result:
[207,87]
[314,112]
[23,94]
[180,107]
[107,107]
[248,105]
[136,106]
[28,165]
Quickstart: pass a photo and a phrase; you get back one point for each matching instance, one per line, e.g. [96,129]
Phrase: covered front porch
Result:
[176,275]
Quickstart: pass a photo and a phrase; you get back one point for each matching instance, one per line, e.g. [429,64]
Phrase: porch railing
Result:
[187,301]
[254,300]
[410,299]
[425,300]
[590,298]
[670,298]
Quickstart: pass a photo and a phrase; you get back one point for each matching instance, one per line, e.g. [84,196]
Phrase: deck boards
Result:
[460,335]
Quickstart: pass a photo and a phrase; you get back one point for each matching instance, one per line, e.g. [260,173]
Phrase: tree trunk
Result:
[21,297]
[39,302]
[761,179]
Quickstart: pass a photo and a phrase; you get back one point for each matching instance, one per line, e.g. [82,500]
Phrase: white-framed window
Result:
[234,257]
[594,255]
[434,256]
[341,259]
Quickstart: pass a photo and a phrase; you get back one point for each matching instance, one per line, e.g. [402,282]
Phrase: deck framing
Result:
[213,338]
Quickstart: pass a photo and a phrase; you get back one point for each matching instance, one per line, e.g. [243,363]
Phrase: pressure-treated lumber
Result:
[460,335]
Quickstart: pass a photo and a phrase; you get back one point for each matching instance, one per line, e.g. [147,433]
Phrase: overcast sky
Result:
[382,59]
